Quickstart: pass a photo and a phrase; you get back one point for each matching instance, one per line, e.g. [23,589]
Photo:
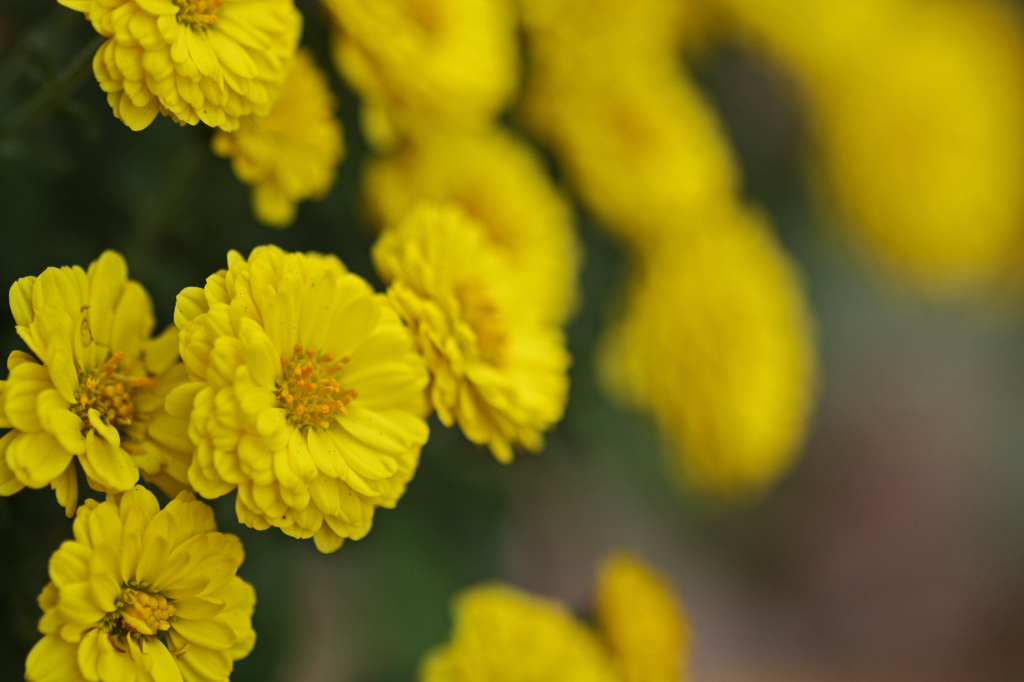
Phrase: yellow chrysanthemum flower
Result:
[93,390]
[502,634]
[498,180]
[436,63]
[498,368]
[640,31]
[916,108]
[642,622]
[290,154]
[925,150]
[639,143]
[143,594]
[812,37]
[306,394]
[213,61]
[715,342]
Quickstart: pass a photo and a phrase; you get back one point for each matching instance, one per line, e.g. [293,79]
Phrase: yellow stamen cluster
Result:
[110,393]
[198,11]
[309,391]
[484,316]
[139,613]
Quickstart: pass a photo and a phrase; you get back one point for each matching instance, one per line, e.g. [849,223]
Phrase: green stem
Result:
[53,93]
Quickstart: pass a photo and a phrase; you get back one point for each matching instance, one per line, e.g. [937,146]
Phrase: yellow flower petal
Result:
[37,458]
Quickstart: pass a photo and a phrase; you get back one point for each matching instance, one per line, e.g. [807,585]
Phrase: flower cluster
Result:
[713,340]
[504,634]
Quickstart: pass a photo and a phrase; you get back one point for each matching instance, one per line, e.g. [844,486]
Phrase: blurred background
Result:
[893,550]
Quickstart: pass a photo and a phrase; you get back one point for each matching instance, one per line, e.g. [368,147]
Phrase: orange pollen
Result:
[201,12]
[111,393]
[308,389]
[138,614]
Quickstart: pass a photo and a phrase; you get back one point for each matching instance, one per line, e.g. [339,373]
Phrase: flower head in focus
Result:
[450,64]
[213,61]
[290,154]
[93,387]
[143,593]
[498,367]
[306,394]
[715,342]
[641,621]
[502,634]
[498,180]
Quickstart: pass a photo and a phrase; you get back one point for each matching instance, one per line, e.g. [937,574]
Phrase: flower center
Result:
[111,394]
[140,614]
[202,12]
[308,389]
[484,316]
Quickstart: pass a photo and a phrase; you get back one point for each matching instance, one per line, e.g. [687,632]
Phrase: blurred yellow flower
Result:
[306,394]
[715,341]
[641,621]
[213,61]
[917,107]
[498,368]
[502,634]
[498,180]
[812,38]
[290,154]
[93,390]
[143,594]
[593,33]
[436,63]
[639,143]
[924,147]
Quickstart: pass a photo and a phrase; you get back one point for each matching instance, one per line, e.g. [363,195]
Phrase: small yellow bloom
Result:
[641,620]
[438,63]
[502,634]
[143,594]
[93,390]
[290,154]
[306,394]
[213,61]
[715,342]
[497,179]
[498,368]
